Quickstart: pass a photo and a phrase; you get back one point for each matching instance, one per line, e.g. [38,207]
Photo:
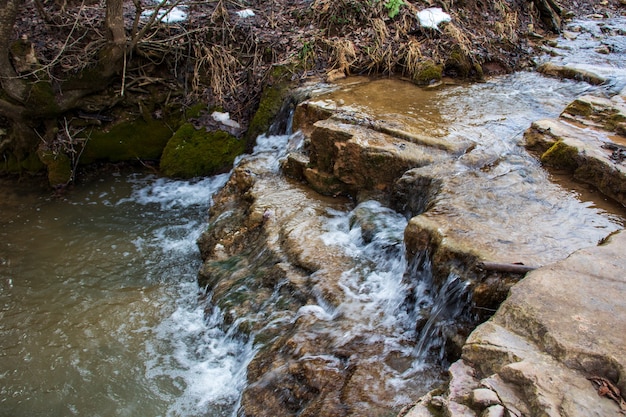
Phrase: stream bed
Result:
[100,310]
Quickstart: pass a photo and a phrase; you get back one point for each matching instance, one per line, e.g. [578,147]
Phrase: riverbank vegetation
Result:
[72,71]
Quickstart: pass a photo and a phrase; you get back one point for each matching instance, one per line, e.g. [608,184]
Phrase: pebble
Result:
[484,397]
[493,411]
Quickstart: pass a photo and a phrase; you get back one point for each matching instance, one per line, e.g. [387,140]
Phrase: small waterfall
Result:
[449,303]
[438,309]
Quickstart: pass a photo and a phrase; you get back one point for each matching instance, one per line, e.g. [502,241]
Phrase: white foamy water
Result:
[374,289]
[197,366]
[375,284]
[100,311]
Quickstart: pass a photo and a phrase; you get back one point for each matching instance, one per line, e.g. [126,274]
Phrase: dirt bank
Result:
[225,53]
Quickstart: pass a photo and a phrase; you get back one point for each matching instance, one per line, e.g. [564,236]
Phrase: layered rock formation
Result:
[474,215]
[554,348]
[588,140]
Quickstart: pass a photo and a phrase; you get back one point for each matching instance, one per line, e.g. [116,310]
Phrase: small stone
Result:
[493,411]
[437,401]
[603,50]
[570,35]
[459,410]
[484,397]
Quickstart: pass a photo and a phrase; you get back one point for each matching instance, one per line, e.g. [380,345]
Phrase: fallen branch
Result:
[517,268]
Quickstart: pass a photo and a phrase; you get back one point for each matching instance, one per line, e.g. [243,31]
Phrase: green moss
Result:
[427,72]
[59,167]
[615,122]
[191,153]
[31,163]
[127,141]
[579,108]
[271,102]
[195,111]
[561,156]
[41,99]
[11,164]
[459,63]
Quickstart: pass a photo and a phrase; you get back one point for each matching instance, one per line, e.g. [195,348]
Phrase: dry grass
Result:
[412,55]
[507,28]
[219,65]
[459,37]
[343,55]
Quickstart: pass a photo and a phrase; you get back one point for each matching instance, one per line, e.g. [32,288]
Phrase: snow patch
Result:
[224,118]
[175,15]
[245,13]
[433,17]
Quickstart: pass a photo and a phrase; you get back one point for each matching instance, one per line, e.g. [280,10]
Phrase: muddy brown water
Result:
[100,313]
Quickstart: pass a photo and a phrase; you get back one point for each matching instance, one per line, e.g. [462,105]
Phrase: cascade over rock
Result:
[265,247]
[427,174]
[555,346]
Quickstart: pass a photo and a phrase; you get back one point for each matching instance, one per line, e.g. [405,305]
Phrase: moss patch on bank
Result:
[195,152]
[272,99]
[128,141]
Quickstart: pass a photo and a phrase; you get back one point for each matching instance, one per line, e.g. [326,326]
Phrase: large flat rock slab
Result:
[560,326]
[469,203]
[553,344]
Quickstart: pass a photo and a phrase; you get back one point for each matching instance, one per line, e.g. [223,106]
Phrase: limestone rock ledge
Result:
[468,205]
[588,140]
[560,333]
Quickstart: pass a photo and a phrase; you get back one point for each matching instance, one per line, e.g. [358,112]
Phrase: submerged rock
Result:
[571,72]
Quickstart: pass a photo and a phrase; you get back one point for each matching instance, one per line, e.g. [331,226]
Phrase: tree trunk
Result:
[13,86]
[550,14]
[115,22]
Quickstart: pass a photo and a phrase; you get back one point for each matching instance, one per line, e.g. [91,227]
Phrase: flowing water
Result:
[100,311]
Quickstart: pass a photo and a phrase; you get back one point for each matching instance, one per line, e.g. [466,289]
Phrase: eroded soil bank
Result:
[226,57]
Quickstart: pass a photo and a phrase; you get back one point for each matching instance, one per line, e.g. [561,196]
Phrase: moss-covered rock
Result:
[59,167]
[272,99]
[195,152]
[459,63]
[427,72]
[11,164]
[127,141]
[561,156]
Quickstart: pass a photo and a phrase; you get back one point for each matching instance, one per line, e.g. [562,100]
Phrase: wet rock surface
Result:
[588,140]
[552,345]
[328,344]
[466,204]
[481,212]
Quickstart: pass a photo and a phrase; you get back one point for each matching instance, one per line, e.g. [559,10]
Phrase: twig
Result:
[123,76]
[504,267]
